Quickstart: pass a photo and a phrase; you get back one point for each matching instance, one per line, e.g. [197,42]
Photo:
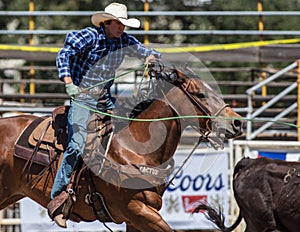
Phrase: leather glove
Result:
[72,89]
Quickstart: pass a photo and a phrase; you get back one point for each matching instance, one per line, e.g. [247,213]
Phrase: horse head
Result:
[204,108]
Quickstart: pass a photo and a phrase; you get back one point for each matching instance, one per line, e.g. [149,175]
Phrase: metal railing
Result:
[155,14]
[254,114]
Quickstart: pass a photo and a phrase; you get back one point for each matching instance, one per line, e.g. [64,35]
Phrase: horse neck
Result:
[150,142]
[180,104]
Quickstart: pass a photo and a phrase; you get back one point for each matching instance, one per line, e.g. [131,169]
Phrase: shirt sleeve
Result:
[137,49]
[75,43]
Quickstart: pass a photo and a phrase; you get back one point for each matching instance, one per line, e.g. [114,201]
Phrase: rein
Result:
[183,163]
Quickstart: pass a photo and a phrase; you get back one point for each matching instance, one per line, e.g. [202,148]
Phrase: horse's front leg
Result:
[144,218]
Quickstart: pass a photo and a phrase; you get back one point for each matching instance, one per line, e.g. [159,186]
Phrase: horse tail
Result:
[216,216]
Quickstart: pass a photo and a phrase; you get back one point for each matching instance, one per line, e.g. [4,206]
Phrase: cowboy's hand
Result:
[150,59]
[72,89]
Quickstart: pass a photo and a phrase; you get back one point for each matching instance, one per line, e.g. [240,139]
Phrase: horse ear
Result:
[181,77]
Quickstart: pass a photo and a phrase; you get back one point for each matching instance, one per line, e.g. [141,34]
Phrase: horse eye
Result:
[201,95]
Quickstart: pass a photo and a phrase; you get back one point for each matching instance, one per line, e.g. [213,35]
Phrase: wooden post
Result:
[261,38]
[147,25]
[31,42]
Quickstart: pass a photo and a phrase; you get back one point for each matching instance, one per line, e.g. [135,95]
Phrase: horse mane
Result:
[133,106]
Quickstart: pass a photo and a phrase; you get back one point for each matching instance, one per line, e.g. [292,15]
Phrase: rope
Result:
[144,74]
[185,117]
[167,118]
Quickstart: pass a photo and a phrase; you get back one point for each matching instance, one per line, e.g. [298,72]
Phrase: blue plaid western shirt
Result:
[89,57]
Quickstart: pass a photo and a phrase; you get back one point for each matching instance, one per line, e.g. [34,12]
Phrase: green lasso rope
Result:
[184,117]
[168,118]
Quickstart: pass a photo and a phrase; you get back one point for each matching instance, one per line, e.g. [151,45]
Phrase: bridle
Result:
[211,117]
[171,78]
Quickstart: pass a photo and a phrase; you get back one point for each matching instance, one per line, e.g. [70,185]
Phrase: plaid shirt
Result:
[90,58]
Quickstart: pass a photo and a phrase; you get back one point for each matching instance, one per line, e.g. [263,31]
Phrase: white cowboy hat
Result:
[115,11]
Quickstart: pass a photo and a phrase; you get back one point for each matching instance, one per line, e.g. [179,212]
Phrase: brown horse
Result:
[266,191]
[151,144]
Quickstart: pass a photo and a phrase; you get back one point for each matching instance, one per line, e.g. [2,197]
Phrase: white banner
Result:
[203,178]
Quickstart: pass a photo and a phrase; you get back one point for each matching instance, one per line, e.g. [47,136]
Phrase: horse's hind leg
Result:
[141,218]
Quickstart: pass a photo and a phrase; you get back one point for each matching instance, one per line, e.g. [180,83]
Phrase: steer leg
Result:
[144,218]
[258,212]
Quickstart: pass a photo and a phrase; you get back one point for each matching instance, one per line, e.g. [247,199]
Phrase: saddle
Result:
[53,129]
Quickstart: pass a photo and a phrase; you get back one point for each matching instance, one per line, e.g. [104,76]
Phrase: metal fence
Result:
[155,14]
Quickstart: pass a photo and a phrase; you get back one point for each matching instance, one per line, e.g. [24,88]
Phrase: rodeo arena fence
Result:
[272,120]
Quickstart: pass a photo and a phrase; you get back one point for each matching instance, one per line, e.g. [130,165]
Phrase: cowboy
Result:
[89,58]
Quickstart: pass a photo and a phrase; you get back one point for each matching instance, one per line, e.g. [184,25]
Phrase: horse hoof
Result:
[60,220]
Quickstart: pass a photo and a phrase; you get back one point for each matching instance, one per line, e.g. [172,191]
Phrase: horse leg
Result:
[144,218]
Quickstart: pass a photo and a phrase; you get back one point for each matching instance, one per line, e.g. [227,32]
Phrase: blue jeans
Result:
[77,134]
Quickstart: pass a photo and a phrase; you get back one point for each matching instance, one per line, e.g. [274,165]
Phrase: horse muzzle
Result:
[227,129]
[222,130]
